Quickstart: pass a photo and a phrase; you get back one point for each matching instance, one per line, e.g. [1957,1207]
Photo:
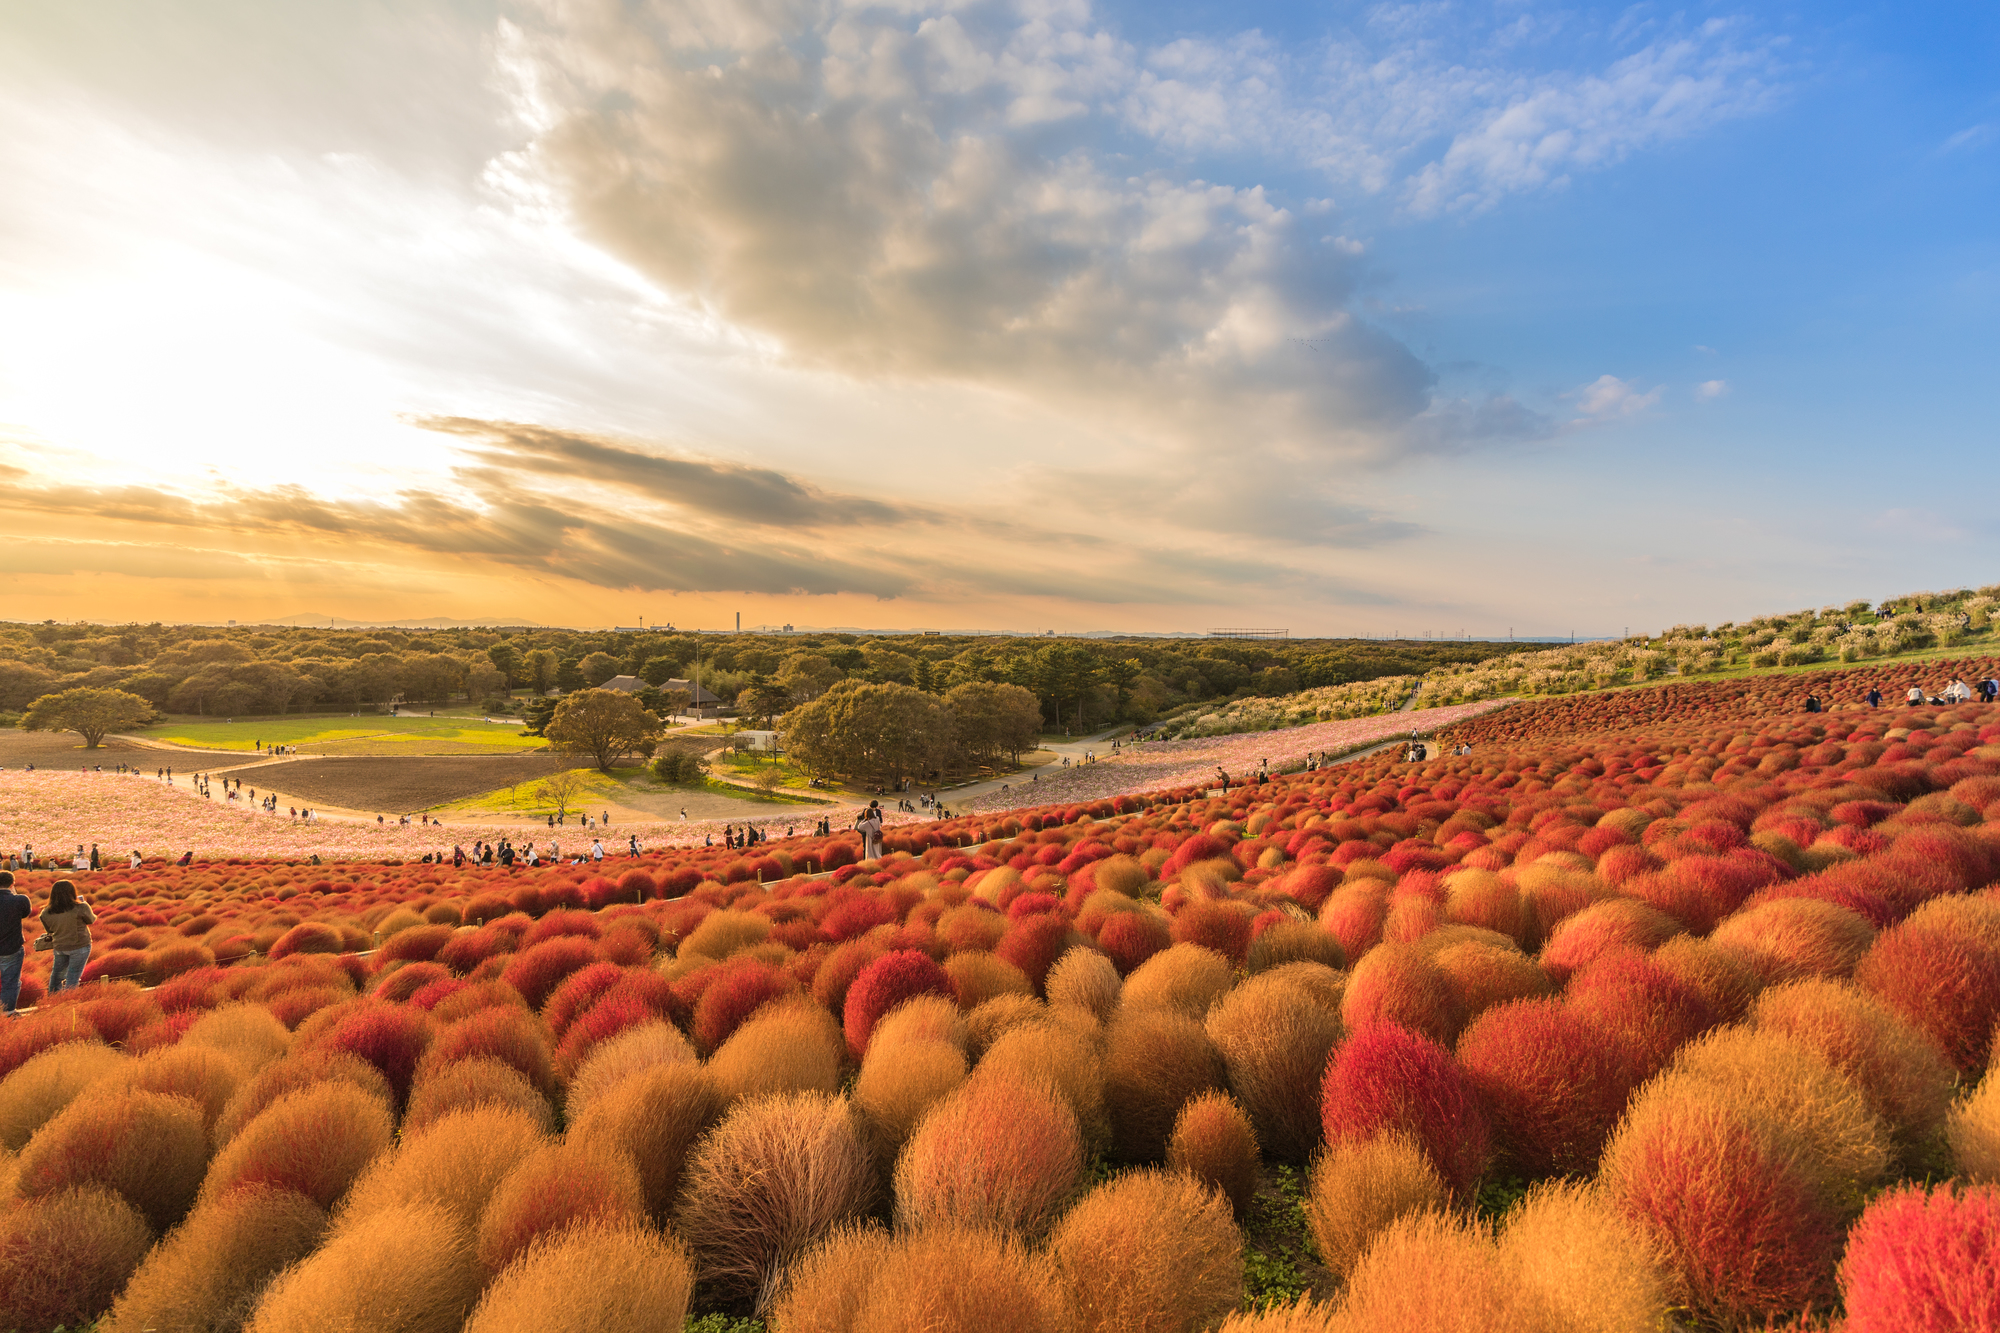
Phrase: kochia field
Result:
[1563,1034]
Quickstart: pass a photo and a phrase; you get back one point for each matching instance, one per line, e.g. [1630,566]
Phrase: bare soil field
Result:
[56,749]
[397,782]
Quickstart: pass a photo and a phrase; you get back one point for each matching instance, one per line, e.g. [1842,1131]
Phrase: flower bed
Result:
[1162,765]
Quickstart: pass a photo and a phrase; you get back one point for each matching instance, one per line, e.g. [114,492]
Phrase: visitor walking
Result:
[14,909]
[67,922]
[1874,697]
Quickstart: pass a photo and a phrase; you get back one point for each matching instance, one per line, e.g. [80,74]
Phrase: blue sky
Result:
[1351,318]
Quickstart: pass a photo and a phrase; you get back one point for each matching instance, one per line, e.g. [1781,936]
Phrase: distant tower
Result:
[739,622]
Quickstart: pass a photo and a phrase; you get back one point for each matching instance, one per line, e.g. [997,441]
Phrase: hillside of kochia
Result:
[1723,992]
[1856,632]
[1843,690]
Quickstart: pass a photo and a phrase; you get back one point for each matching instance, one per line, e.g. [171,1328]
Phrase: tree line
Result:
[1079,683]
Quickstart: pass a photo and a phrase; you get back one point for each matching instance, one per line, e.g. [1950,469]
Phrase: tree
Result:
[598,668]
[541,666]
[770,779]
[431,677]
[992,721]
[569,676]
[1119,675]
[604,724]
[560,790]
[659,670]
[764,700]
[807,676]
[89,713]
[506,658]
[887,732]
[1065,672]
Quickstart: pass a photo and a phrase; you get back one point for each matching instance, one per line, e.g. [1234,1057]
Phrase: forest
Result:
[1083,683]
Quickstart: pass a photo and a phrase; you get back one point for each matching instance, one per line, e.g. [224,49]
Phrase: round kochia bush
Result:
[1386,1079]
[1924,1261]
[882,985]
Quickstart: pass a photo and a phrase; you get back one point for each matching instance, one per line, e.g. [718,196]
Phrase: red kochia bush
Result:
[398,986]
[537,971]
[556,1186]
[1398,983]
[578,992]
[1200,847]
[502,1032]
[1648,1011]
[1729,1199]
[1221,926]
[1388,1079]
[736,990]
[1946,983]
[416,944]
[152,1149]
[1033,944]
[1130,938]
[1553,1088]
[884,984]
[306,937]
[64,1258]
[1925,1262]
[392,1037]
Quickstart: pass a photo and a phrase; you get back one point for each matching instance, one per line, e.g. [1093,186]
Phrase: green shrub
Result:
[678,766]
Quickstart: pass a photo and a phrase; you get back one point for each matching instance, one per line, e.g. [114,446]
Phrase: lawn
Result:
[343,734]
[523,798]
[619,785]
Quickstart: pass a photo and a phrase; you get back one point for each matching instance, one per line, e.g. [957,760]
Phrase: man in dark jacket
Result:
[14,909]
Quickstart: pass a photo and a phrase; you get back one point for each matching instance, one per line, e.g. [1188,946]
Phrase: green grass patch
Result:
[405,733]
[524,798]
[1279,1264]
[717,787]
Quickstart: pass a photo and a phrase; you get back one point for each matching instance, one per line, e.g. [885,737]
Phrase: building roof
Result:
[632,685]
[699,694]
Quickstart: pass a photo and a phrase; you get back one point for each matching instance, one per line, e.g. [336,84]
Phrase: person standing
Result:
[870,826]
[14,909]
[67,920]
[1874,697]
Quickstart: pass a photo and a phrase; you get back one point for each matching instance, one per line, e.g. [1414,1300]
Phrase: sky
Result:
[1397,319]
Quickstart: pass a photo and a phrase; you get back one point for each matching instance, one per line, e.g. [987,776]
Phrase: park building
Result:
[703,699]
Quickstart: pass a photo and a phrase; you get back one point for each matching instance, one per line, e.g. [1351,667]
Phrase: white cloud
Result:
[1566,123]
[1607,398]
[1711,389]
[879,195]
[951,192]
[1971,137]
